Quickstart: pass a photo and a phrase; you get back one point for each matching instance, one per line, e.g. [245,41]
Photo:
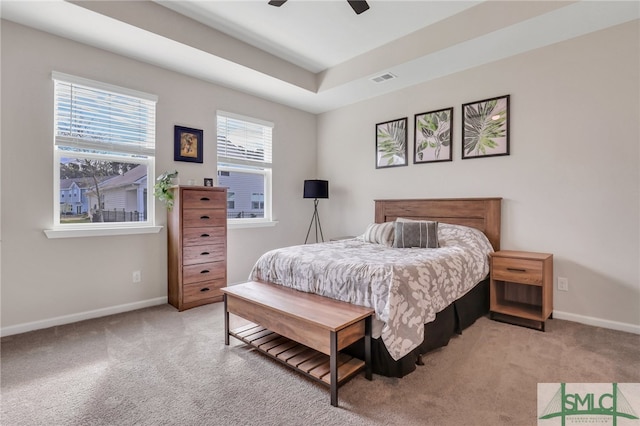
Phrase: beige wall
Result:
[570,186]
[50,281]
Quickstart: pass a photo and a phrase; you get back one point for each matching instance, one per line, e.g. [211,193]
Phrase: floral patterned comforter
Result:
[405,286]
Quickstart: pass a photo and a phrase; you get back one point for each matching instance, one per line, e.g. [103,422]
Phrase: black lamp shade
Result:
[315,188]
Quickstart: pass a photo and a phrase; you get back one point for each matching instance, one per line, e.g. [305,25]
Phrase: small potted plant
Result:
[162,186]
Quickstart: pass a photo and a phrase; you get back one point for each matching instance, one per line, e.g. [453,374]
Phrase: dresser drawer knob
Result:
[205,199]
[206,271]
[204,289]
[205,235]
[516,270]
[204,217]
[205,253]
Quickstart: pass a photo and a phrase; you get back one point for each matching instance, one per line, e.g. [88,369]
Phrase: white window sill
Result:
[100,232]
[243,223]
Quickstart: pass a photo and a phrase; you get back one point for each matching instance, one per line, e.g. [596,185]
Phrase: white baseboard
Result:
[81,316]
[598,322]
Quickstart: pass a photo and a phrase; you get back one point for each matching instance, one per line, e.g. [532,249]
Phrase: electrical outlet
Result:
[136,276]
[563,284]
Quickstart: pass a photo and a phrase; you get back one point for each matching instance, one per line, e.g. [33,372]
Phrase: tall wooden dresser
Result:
[197,233]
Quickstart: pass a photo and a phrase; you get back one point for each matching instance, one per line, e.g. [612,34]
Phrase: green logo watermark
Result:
[588,403]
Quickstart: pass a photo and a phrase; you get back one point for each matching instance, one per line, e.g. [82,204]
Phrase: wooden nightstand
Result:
[521,287]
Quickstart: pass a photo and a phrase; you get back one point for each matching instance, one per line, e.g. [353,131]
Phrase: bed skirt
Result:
[452,320]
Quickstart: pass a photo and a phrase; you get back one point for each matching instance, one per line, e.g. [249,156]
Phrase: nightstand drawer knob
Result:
[205,253]
[204,217]
[205,235]
[204,289]
[205,271]
[516,270]
[205,199]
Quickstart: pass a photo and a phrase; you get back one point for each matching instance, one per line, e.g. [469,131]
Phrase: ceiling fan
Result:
[358,6]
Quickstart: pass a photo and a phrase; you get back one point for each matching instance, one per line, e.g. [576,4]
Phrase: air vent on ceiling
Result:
[383,77]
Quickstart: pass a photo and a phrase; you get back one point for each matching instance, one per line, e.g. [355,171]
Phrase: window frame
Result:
[265,169]
[65,147]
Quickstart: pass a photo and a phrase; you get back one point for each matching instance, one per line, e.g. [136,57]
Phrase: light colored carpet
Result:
[157,366]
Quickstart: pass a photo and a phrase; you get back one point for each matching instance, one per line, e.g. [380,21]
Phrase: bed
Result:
[422,297]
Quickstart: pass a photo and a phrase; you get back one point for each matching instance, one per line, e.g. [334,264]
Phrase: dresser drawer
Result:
[203,199]
[197,218]
[203,272]
[202,236]
[516,270]
[202,254]
[203,290]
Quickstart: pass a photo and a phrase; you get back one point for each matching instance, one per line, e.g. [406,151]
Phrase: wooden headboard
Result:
[480,213]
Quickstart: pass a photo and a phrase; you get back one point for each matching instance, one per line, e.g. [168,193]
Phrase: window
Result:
[257,201]
[244,166]
[104,154]
[231,202]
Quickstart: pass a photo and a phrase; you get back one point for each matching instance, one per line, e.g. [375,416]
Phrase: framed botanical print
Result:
[391,143]
[433,136]
[485,128]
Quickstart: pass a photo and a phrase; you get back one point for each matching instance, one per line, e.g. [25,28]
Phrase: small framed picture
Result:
[485,128]
[208,181]
[391,143]
[432,138]
[187,144]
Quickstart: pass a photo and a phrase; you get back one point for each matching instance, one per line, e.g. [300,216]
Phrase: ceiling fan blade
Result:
[277,3]
[358,6]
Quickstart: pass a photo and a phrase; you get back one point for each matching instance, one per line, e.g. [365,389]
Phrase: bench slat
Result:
[302,357]
[296,350]
[313,362]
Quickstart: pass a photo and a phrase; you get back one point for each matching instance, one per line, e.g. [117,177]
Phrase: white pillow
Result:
[379,233]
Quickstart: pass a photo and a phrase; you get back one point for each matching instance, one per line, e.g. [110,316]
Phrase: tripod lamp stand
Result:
[315,189]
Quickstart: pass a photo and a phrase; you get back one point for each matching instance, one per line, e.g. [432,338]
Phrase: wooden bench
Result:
[301,330]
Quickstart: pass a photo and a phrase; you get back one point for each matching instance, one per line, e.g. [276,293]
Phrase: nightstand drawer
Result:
[516,270]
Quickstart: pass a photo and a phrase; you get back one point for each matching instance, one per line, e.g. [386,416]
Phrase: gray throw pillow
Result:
[422,234]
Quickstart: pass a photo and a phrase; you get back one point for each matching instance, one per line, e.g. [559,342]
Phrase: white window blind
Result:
[98,117]
[244,140]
